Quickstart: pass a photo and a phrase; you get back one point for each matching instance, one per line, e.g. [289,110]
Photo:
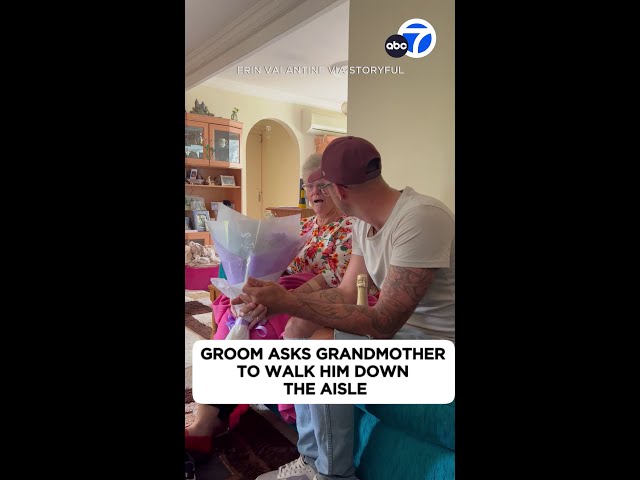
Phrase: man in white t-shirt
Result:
[405,242]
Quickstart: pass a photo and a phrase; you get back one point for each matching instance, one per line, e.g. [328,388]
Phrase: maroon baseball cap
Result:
[345,161]
[313,176]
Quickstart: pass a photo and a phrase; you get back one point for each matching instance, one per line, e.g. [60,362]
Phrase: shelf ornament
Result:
[201,109]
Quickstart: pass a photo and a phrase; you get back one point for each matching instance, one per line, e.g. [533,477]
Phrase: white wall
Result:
[252,110]
[410,117]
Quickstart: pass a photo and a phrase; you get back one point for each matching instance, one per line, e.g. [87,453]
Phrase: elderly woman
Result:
[321,263]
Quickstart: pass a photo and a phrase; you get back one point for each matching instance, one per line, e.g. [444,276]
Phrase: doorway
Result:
[254,174]
[273,167]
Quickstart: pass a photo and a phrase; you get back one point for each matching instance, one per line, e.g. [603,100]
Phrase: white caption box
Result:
[321,371]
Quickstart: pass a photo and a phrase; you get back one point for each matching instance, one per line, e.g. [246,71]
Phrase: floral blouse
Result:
[327,251]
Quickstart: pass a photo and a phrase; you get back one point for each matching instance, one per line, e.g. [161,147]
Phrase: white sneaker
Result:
[296,470]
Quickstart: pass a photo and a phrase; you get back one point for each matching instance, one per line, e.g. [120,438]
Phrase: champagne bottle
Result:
[361,282]
[302,203]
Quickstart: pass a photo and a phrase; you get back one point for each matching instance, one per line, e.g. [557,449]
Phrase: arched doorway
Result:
[273,167]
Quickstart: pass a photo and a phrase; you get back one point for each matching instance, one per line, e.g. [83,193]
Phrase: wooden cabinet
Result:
[211,141]
[195,139]
[286,211]
[212,147]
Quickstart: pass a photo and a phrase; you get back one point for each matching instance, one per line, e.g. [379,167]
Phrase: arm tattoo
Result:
[304,288]
[328,295]
[332,295]
[402,291]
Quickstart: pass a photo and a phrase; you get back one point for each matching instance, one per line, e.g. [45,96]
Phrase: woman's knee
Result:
[323,333]
[299,328]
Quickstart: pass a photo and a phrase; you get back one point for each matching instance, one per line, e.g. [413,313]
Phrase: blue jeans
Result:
[325,439]
[325,432]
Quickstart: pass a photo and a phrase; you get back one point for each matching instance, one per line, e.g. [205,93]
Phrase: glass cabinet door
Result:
[221,146]
[226,145]
[234,147]
[195,143]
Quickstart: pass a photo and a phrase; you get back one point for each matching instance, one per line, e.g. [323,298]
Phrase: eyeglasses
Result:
[308,187]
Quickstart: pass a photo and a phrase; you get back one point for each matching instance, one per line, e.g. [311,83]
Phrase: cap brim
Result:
[315,176]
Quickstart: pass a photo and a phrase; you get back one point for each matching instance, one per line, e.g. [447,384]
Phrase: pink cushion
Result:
[199,278]
[275,323]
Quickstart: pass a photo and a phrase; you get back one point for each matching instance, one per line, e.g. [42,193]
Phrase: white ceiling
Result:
[203,18]
[320,42]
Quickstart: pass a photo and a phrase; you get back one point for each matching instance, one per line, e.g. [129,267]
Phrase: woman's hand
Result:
[256,311]
[258,315]
[245,305]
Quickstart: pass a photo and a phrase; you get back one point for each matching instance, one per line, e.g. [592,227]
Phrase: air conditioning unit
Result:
[322,124]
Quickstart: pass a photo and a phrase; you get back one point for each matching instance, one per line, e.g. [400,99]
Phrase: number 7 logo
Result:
[420,35]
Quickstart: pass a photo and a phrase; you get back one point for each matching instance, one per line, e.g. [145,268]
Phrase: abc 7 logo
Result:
[416,38]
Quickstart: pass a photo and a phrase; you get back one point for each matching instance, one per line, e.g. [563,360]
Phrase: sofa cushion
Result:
[434,423]
[382,452]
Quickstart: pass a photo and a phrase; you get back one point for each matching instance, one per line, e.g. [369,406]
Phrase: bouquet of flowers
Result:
[252,248]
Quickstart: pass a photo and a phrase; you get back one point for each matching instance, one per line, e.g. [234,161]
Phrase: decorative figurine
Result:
[234,114]
[201,108]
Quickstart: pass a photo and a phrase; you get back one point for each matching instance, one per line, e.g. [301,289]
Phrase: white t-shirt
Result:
[420,233]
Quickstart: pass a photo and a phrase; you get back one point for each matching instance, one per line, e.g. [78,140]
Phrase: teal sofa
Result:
[415,442]
[408,442]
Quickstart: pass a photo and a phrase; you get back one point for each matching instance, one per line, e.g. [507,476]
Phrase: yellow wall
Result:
[280,169]
[251,111]
[253,185]
[410,117]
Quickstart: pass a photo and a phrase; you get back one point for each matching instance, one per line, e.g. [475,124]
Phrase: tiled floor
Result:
[190,337]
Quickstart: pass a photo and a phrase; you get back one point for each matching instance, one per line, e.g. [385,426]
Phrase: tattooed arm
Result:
[402,290]
[346,292]
[272,295]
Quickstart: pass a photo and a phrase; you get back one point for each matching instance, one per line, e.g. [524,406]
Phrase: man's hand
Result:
[269,294]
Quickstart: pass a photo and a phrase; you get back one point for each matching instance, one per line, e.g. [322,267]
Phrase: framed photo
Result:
[228,180]
[193,202]
[193,174]
[197,204]
[199,220]
[214,209]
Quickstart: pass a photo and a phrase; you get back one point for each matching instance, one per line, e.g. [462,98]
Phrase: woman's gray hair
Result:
[310,165]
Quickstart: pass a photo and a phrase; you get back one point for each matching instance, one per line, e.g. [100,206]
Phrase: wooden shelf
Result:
[220,164]
[206,130]
[212,119]
[209,186]
[193,162]
[205,236]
